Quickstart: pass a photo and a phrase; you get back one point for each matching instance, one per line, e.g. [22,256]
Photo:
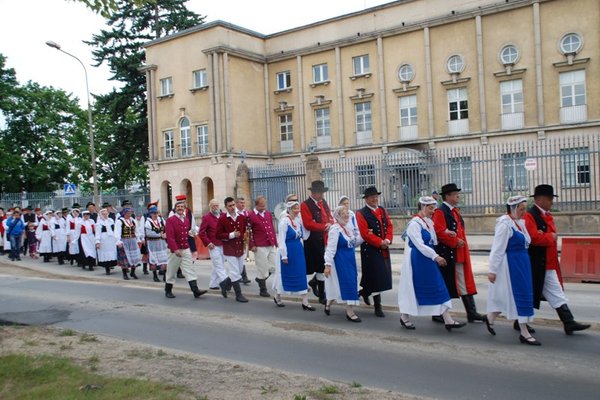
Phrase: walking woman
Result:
[511,288]
[87,241]
[158,255]
[290,271]
[341,272]
[128,245]
[422,290]
[106,242]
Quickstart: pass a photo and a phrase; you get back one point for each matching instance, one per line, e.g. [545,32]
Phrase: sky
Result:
[26,25]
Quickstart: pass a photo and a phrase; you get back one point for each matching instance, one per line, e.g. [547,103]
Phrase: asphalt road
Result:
[463,364]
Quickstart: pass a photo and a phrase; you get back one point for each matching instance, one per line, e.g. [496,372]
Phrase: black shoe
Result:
[353,318]
[313,285]
[169,291]
[407,325]
[327,309]
[223,285]
[278,303]
[215,288]
[307,307]
[365,297]
[133,275]
[437,318]
[530,340]
[18,259]
[180,274]
[516,327]
[379,312]
[455,325]
[490,327]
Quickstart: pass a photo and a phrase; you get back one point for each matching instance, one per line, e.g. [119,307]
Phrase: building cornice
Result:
[248,55]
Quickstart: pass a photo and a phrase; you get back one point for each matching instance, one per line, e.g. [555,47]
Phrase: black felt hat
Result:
[370,191]
[543,190]
[318,187]
[449,188]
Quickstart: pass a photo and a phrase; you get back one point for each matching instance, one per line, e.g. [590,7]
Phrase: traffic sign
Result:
[70,189]
[530,164]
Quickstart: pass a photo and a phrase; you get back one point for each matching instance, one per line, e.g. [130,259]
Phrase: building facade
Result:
[394,81]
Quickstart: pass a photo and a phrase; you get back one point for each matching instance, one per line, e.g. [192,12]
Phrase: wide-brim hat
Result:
[106,204]
[125,203]
[370,191]
[543,190]
[76,205]
[65,210]
[449,188]
[90,203]
[318,187]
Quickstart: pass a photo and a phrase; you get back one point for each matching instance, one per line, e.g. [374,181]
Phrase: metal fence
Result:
[488,174]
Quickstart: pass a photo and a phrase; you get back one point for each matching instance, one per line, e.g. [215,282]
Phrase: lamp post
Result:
[90,121]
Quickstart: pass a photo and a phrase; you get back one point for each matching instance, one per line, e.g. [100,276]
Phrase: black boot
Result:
[262,285]
[145,268]
[194,286]
[238,292]
[132,274]
[125,276]
[61,260]
[46,259]
[377,305]
[180,274]
[224,285]
[91,267]
[169,291]
[155,274]
[245,279]
[321,289]
[107,270]
[568,320]
[313,285]
[471,308]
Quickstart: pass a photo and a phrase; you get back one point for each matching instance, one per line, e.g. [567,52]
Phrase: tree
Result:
[106,7]
[121,116]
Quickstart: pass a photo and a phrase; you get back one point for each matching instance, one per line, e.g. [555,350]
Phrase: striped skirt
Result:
[129,255]
[158,253]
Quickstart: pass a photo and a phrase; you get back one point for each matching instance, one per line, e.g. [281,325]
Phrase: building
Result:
[480,91]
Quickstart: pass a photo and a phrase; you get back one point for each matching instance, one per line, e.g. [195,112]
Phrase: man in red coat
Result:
[453,247]
[543,252]
[231,228]
[263,242]
[177,229]
[208,235]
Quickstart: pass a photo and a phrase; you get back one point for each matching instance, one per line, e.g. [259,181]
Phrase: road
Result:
[463,364]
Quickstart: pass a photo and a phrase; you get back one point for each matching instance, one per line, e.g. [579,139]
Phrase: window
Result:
[455,64]
[511,95]
[406,73]
[366,177]
[514,173]
[286,128]
[509,55]
[328,177]
[284,80]
[458,105]
[202,134]
[200,79]
[322,121]
[461,172]
[571,43]
[408,110]
[575,167]
[185,138]
[320,73]
[363,123]
[166,86]
[572,88]
[360,65]
[169,144]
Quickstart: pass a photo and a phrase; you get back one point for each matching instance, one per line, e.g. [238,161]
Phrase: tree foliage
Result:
[107,7]
[121,116]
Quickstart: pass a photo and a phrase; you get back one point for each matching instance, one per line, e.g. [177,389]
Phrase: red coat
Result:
[232,247]
[262,230]
[177,233]
[208,230]
[544,239]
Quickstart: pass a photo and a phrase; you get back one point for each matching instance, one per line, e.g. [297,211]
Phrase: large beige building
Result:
[404,77]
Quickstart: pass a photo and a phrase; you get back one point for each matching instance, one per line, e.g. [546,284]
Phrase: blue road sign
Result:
[70,189]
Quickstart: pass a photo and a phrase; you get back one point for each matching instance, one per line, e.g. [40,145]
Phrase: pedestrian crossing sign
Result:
[70,189]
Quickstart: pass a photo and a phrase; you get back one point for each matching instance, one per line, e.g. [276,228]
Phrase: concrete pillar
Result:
[242,183]
[313,169]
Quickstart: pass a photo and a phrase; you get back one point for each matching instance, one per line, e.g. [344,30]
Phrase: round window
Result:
[406,73]
[571,43]
[509,55]
[455,64]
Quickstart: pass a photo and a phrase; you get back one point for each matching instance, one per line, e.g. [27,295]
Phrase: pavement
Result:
[584,298]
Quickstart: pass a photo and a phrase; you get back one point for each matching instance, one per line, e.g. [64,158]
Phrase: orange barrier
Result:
[580,259]
[202,250]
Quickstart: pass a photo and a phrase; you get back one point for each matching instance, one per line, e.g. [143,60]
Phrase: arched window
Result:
[185,137]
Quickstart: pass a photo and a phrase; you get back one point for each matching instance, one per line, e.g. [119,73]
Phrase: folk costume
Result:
[128,249]
[59,241]
[72,220]
[86,238]
[44,233]
[233,250]
[208,235]
[290,277]
[158,254]
[264,239]
[106,243]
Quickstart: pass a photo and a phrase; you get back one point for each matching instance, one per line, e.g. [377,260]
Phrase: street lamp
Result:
[90,121]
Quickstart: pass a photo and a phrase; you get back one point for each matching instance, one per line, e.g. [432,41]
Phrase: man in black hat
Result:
[317,219]
[543,252]
[377,231]
[111,211]
[453,247]
[91,207]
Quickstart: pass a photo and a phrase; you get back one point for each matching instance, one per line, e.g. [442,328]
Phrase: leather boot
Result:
[61,260]
[322,294]
[169,291]
[155,276]
[125,276]
[224,285]
[245,279]
[238,292]
[180,274]
[194,286]
[262,285]
[145,268]
[471,308]
[568,320]
[377,305]
[107,270]
[132,274]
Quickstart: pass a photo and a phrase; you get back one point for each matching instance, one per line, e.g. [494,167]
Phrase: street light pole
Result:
[90,121]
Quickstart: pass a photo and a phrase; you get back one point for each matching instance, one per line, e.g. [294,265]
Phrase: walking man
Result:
[263,242]
[377,231]
[543,252]
[208,235]
[240,205]
[453,247]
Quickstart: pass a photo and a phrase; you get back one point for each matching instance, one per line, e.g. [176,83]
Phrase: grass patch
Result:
[331,389]
[67,332]
[355,384]
[87,338]
[143,354]
[299,397]
[161,353]
[67,346]
[55,378]
[268,389]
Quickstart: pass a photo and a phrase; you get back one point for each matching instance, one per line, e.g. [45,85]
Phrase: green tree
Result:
[121,116]
[8,85]
[106,7]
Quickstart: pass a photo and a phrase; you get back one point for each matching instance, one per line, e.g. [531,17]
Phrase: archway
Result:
[166,197]
[208,192]
[185,187]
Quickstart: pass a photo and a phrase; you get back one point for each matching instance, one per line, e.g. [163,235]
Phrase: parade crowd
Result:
[313,250]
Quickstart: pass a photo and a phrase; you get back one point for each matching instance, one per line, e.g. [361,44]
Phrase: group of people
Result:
[314,247]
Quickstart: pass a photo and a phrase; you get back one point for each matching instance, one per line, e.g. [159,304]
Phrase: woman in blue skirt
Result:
[511,288]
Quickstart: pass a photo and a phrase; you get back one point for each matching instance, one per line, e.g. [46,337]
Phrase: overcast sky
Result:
[26,25]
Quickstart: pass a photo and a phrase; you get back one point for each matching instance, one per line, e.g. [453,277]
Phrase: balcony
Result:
[571,115]
[364,137]
[512,121]
[458,127]
[409,132]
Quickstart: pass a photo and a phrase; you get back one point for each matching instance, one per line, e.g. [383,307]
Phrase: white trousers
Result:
[236,265]
[218,273]
[460,279]
[552,291]
[265,257]
[184,262]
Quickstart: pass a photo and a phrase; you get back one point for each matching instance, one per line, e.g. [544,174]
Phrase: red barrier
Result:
[202,250]
[580,259]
